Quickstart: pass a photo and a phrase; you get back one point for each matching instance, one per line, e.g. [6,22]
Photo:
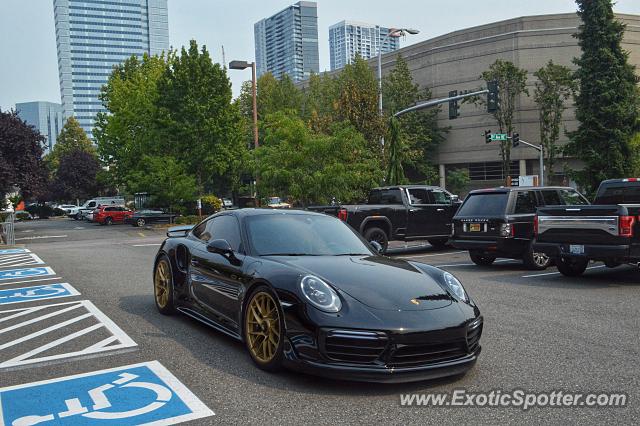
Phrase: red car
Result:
[108,215]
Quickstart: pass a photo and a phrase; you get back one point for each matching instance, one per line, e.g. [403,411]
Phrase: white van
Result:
[90,205]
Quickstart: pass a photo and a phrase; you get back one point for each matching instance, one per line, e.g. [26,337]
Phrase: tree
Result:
[76,175]
[320,102]
[512,82]
[277,95]
[554,87]
[395,170]
[166,179]
[197,123]
[314,168]
[129,130]
[418,131]
[607,104]
[357,101]
[71,138]
[21,164]
[458,180]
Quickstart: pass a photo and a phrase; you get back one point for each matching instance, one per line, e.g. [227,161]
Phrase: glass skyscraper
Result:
[46,117]
[93,36]
[287,42]
[348,38]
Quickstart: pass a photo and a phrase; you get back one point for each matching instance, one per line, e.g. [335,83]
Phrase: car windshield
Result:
[484,204]
[302,235]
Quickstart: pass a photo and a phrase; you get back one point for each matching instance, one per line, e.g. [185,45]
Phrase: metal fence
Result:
[7,231]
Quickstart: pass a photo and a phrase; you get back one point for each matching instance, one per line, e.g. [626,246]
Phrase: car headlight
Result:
[320,294]
[455,286]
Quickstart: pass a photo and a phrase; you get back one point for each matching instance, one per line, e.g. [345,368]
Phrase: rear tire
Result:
[378,235]
[535,261]
[108,221]
[140,222]
[571,267]
[480,259]
[438,243]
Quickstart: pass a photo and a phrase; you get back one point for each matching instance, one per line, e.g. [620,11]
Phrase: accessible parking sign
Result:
[137,394]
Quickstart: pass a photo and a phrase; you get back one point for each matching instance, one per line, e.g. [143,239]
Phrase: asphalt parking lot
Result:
[542,332]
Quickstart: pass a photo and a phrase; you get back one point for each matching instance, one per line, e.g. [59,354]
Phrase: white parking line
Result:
[41,237]
[556,273]
[46,333]
[30,281]
[417,256]
[146,245]
[20,259]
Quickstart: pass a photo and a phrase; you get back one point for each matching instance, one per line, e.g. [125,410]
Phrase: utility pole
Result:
[515,140]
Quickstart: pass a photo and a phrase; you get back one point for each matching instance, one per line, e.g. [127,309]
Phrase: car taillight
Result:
[535,225]
[342,214]
[625,224]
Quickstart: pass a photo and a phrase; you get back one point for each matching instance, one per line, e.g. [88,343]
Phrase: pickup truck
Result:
[607,231]
[404,212]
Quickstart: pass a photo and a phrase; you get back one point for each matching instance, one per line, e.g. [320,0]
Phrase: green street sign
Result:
[499,137]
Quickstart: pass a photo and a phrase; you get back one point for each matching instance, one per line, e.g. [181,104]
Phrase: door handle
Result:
[413,210]
[440,210]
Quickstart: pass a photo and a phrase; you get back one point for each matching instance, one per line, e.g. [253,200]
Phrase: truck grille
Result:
[362,347]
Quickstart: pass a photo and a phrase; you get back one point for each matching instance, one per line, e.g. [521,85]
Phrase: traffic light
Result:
[515,139]
[493,98]
[453,106]
[487,136]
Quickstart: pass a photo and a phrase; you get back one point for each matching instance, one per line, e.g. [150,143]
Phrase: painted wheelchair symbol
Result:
[101,402]
[45,291]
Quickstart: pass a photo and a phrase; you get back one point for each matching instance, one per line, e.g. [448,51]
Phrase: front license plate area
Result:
[576,249]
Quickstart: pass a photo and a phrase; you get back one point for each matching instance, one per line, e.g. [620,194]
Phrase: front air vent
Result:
[360,347]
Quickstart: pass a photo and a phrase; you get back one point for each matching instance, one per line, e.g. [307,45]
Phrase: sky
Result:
[29,68]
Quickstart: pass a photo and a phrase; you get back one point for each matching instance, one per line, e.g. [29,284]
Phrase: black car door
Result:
[421,212]
[217,279]
[445,209]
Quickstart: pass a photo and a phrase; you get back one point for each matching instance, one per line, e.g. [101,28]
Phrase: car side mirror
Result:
[454,199]
[376,246]
[219,246]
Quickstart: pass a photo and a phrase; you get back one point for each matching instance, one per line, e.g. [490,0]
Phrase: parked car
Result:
[83,212]
[109,215]
[227,203]
[608,230]
[302,290]
[66,208]
[406,212]
[499,222]
[277,203]
[143,217]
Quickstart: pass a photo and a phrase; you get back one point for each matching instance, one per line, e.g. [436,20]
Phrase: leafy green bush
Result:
[187,220]
[211,204]
[40,210]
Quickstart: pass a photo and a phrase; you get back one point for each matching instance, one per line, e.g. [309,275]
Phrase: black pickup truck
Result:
[608,230]
[405,212]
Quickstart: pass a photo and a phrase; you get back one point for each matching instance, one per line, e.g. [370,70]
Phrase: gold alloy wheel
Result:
[262,325]
[162,283]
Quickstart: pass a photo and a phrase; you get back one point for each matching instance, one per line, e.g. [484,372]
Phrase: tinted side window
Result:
[619,193]
[385,196]
[525,202]
[487,204]
[572,198]
[110,209]
[199,232]
[419,196]
[551,197]
[441,197]
[225,228]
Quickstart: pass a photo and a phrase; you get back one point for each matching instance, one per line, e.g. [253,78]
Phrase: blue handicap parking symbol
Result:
[16,274]
[129,395]
[38,292]
[13,251]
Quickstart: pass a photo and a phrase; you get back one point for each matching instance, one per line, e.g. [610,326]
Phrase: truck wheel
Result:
[571,267]
[378,235]
[481,260]
[536,261]
[438,243]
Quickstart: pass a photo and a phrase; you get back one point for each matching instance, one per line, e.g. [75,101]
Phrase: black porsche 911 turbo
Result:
[304,291]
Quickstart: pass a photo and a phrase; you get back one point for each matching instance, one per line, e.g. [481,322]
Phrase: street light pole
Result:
[254,90]
[393,32]
[541,159]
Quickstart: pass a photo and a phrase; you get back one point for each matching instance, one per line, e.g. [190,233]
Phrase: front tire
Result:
[108,221]
[140,222]
[535,261]
[571,267]
[264,329]
[438,243]
[481,260]
[378,235]
[163,286]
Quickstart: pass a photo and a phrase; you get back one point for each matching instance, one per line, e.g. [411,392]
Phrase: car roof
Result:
[406,187]
[516,188]
[252,211]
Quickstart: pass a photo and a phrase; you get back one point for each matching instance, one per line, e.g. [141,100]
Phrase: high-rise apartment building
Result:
[287,42]
[93,36]
[46,117]
[348,38]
